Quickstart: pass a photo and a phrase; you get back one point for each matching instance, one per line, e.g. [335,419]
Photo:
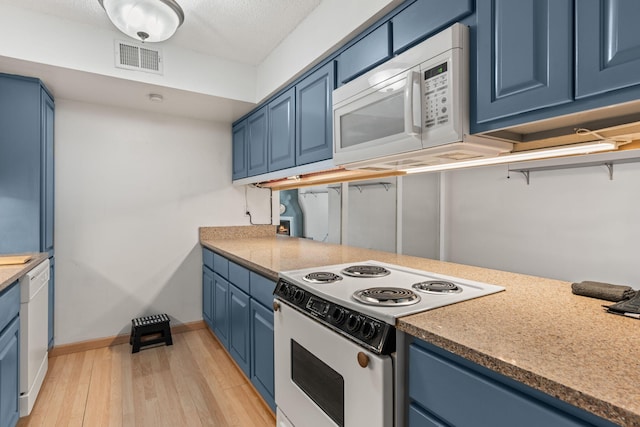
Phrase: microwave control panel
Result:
[436,99]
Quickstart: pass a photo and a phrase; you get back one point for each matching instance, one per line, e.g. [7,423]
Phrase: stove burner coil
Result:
[321,277]
[390,297]
[437,287]
[366,271]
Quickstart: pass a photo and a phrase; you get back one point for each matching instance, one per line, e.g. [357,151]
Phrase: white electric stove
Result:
[335,338]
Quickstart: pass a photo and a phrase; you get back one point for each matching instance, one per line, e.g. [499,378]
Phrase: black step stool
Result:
[150,325]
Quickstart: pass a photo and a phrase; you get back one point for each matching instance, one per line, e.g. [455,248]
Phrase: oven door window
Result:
[321,383]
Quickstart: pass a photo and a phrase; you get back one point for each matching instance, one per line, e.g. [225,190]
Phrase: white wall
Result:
[421,215]
[571,224]
[132,189]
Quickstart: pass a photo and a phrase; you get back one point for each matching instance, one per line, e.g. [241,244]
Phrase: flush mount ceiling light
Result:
[145,20]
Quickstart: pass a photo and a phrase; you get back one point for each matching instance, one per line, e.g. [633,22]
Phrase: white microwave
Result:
[411,111]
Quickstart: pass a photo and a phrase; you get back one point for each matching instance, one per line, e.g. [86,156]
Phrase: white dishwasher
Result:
[34,318]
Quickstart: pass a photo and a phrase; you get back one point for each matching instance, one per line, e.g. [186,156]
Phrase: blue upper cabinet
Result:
[257,142]
[524,56]
[424,18]
[26,166]
[281,139]
[239,148]
[314,124]
[366,53]
[607,46]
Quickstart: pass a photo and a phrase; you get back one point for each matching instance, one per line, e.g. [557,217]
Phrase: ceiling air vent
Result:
[133,56]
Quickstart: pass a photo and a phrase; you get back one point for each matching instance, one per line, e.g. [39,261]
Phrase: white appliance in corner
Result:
[34,318]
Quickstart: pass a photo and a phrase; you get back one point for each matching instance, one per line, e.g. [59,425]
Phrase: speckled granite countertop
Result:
[11,273]
[536,332]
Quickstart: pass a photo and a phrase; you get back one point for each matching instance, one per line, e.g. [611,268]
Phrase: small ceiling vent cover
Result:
[132,56]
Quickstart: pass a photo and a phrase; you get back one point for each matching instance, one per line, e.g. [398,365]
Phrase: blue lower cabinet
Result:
[220,309]
[239,328]
[262,368]
[447,390]
[236,311]
[207,297]
[9,353]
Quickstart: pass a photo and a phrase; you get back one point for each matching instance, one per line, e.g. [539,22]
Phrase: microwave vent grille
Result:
[131,56]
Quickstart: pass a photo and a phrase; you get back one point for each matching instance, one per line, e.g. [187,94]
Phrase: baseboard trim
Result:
[76,347]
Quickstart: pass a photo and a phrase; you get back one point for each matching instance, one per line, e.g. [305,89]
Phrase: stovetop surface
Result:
[341,292]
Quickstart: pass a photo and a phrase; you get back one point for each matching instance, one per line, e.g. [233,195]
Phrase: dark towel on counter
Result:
[604,291]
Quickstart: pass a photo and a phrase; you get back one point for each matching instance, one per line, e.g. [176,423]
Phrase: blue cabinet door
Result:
[52,300]
[262,369]
[47,169]
[524,56]
[20,165]
[366,53]
[9,391]
[440,384]
[314,124]
[239,150]
[257,143]
[424,18]
[207,296]
[220,309]
[282,147]
[607,46]
[239,328]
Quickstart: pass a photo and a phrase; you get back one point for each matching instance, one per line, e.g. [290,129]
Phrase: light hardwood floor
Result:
[191,383]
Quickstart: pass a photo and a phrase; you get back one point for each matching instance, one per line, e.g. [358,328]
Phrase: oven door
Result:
[319,381]
[381,120]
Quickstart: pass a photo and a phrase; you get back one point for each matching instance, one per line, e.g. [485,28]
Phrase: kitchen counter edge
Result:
[11,273]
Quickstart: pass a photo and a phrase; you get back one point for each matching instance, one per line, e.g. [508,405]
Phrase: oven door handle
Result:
[413,81]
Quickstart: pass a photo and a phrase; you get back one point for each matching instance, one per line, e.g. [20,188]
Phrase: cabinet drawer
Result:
[221,265]
[9,304]
[442,387]
[366,53]
[207,258]
[262,289]
[239,276]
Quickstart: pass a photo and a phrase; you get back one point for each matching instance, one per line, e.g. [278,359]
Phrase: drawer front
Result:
[9,304]
[442,387]
[207,258]
[262,289]
[239,276]
[221,265]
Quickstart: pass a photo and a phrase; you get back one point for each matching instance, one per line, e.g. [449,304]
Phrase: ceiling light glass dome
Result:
[145,20]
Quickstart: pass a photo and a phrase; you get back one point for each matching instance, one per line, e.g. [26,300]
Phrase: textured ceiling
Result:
[245,31]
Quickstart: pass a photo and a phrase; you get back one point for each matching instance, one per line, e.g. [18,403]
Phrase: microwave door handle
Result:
[413,79]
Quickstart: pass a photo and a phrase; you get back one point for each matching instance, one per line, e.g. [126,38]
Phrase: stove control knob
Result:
[338,315]
[298,296]
[353,322]
[369,329]
[288,291]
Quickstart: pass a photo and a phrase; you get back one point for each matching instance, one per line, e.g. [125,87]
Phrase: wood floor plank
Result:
[192,383]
